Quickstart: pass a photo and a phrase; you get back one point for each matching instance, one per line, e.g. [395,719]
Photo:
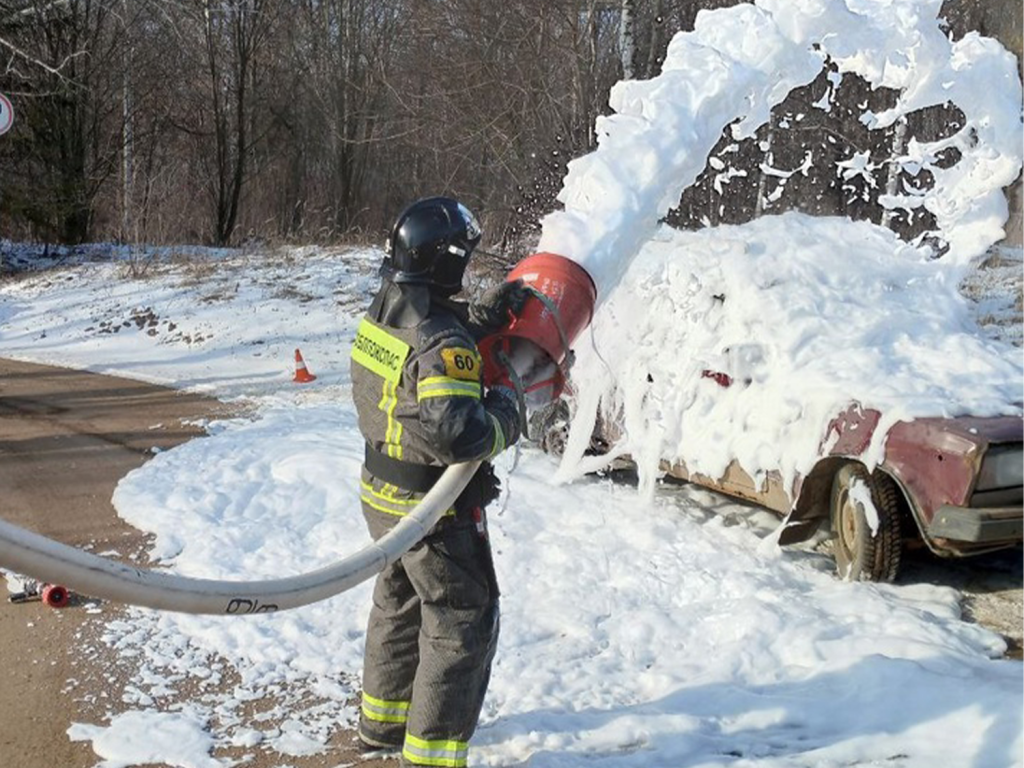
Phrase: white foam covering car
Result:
[819,367]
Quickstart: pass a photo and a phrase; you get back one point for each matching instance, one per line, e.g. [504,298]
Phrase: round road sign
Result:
[6,114]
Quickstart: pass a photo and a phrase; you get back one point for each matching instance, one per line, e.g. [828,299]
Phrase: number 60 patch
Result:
[461,363]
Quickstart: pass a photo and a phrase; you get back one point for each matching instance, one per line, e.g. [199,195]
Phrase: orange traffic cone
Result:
[302,376]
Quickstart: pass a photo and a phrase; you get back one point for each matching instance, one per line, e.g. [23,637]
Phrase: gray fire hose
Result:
[55,563]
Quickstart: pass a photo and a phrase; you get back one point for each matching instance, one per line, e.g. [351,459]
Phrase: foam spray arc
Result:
[539,341]
[657,140]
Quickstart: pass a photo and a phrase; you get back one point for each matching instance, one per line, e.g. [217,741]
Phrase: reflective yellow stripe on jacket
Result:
[393,435]
[445,386]
[499,436]
[443,752]
[383,500]
[384,354]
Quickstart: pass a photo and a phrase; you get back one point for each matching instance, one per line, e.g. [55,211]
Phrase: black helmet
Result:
[431,243]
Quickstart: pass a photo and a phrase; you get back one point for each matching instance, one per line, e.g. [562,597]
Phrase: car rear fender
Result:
[847,437]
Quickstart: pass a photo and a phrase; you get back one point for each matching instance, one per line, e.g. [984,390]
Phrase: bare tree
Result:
[60,155]
[627,37]
[225,43]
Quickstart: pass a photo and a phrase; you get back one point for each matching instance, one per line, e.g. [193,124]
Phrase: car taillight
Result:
[1002,467]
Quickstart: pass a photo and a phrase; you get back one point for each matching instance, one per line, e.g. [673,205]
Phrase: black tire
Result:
[863,554]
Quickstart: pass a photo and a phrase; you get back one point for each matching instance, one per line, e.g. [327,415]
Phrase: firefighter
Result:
[418,390]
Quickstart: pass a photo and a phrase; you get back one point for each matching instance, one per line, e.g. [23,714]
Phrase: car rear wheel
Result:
[866,539]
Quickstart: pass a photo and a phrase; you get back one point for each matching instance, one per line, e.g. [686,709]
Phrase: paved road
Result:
[66,439]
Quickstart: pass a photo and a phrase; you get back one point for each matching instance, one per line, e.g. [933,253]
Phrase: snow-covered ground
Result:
[638,629]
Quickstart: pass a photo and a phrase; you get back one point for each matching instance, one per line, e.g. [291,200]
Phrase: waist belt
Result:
[418,478]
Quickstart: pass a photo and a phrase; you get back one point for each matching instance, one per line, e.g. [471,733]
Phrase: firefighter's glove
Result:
[493,311]
[502,403]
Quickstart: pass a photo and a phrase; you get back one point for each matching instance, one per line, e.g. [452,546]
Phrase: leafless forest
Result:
[222,121]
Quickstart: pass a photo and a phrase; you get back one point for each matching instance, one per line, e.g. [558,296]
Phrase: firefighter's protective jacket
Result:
[418,390]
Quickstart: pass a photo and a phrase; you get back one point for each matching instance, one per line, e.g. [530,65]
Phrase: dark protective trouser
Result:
[431,638]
